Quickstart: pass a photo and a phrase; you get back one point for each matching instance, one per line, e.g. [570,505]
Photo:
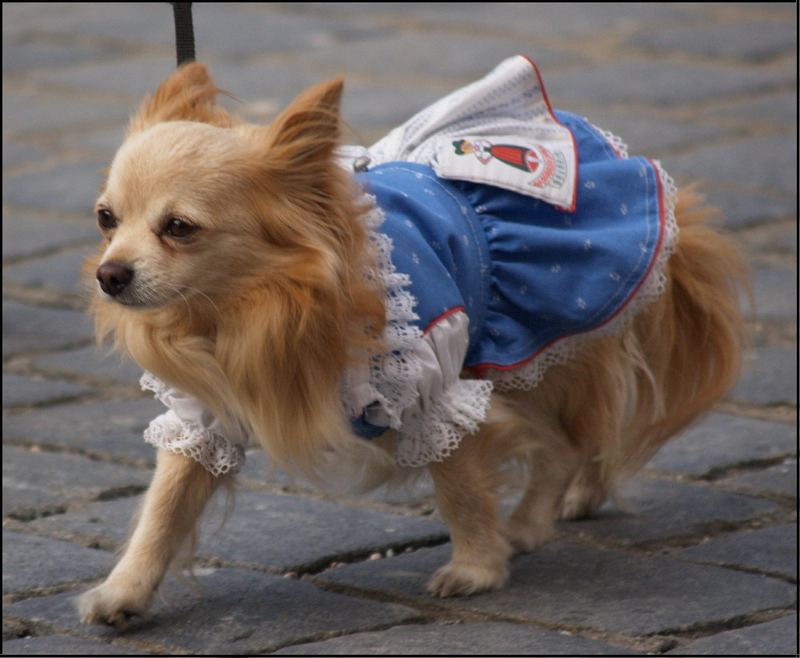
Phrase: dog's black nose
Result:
[114,277]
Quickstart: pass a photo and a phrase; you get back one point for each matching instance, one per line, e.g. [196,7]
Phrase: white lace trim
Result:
[654,286]
[435,435]
[428,430]
[615,141]
[218,455]
[394,373]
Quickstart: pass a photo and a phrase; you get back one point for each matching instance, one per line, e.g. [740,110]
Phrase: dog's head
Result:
[198,205]
[234,260]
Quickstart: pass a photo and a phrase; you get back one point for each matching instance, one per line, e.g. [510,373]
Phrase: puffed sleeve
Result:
[417,390]
[447,407]
[187,428]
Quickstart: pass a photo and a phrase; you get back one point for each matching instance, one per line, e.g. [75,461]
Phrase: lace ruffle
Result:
[394,373]
[218,455]
[435,435]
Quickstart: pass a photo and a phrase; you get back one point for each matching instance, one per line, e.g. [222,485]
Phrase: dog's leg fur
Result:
[180,489]
[585,493]
[466,500]
[554,464]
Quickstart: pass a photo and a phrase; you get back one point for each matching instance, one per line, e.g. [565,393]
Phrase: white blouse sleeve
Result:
[191,430]
[417,390]
[447,406]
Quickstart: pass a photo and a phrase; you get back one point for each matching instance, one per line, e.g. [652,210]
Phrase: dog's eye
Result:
[106,220]
[177,228]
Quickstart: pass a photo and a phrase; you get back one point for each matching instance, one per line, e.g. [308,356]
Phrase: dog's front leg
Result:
[177,495]
[467,504]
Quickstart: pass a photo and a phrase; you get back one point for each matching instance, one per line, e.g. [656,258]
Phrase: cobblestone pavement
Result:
[706,564]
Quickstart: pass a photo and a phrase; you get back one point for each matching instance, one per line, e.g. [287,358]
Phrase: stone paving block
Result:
[130,79]
[107,524]
[721,441]
[29,113]
[233,611]
[72,186]
[262,529]
[367,105]
[779,109]
[588,588]
[532,20]
[12,631]
[774,638]
[766,162]
[663,84]
[292,532]
[123,24]
[259,30]
[439,55]
[60,273]
[27,233]
[742,208]
[103,141]
[16,153]
[661,509]
[44,481]
[779,238]
[741,41]
[465,639]
[111,427]
[772,550]
[36,328]
[651,136]
[97,363]
[22,54]
[778,479]
[775,290]
[31,562]
[60,645]
[23,390]
[769,377]
[236,30]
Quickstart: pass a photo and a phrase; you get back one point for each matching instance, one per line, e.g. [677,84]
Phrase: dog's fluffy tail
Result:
[692,339]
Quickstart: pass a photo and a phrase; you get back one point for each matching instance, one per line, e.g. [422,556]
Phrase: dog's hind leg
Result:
[177,495]
[585,493]
[465,496]
[554,464]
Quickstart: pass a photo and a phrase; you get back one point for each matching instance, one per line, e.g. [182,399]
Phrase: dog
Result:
[245,268]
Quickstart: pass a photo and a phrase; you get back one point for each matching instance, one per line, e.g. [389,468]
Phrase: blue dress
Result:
[527,273]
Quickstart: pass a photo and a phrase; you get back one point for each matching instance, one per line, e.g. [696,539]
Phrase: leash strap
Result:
[184,33]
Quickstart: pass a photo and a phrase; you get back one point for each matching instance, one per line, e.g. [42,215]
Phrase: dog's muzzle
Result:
[114,277]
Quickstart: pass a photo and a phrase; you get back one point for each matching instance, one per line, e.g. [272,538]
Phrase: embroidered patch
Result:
[543,170]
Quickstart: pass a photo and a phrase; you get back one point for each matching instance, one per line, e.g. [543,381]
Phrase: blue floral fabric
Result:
[526,273]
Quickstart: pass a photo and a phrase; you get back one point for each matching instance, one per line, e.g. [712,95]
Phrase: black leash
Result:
[184,33]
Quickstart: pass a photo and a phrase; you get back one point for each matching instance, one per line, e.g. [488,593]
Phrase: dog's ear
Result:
[186,95]
[307,131]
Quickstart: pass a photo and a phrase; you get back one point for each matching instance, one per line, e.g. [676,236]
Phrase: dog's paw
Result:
[113,604]
[580,501]
[524,537]
[463,578]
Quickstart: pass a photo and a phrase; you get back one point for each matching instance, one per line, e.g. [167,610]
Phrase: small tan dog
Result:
[233,268]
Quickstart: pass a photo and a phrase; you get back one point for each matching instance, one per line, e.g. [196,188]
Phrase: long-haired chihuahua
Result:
[371,310]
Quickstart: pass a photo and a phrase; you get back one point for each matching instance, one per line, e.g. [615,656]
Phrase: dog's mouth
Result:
[137,297]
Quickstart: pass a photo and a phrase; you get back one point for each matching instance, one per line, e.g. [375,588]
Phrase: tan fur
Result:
[177,495]
[261,313]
